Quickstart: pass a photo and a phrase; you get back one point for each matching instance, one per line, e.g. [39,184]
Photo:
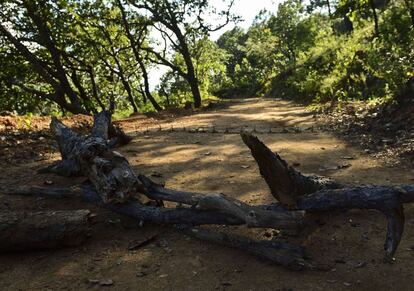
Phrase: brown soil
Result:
[350,242]
[386,131]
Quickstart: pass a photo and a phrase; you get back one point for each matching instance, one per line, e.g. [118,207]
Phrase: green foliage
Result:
[307,57]
[209,63]
[77,56]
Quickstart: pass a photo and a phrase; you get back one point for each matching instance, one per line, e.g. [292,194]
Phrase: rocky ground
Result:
[385,131]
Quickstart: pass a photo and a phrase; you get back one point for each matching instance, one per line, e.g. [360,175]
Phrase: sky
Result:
[246,9]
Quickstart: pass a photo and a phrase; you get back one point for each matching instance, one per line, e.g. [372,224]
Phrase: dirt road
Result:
[350,243]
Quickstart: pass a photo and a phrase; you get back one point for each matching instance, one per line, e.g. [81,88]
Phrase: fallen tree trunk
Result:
[387,199]
[281,253]
[91,156]
[25,231]
[115,181]
[116,187]
[315,194]
[47,192]
[269,216]
[253,216]
[285,254]
[285,183]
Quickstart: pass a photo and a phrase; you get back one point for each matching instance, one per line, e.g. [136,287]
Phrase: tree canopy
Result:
[78,56]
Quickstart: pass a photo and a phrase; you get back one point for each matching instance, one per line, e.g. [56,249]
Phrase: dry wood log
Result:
[267,215]
[24,231]
[113,181]
[281,253]
[92,157]
[315,194]
[253,216]
[285,254]
[285,183]
[387,199]
[48,192]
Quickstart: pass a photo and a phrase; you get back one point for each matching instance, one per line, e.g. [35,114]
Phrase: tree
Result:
[209,66]
[233,42]
[136,36]
[180,23]
[313,4]
[32,27]
[287,26]
[410,8]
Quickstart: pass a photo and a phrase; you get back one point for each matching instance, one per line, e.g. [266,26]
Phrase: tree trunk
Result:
[192,79]
[191,75]
[329,8]
[281,253]
[138,58]
[91,156]
[24,231]
[95,87]
[285,183]
[316,194]
[410,8]
[374,14]
[48,42]
[126,85]
[146,86]
[46,73]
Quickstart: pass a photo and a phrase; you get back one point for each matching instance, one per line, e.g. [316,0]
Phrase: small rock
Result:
[343,166]
[347,284]
[360,265]
[93,281]
[136,244]
[114,221]
[163,276]
[92,215]
[48,182]
[245,166]
[347,158]
[141,274]
[207,153]
[106,282]
[196,262]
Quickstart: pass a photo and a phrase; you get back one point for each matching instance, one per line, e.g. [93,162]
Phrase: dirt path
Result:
[351,242]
